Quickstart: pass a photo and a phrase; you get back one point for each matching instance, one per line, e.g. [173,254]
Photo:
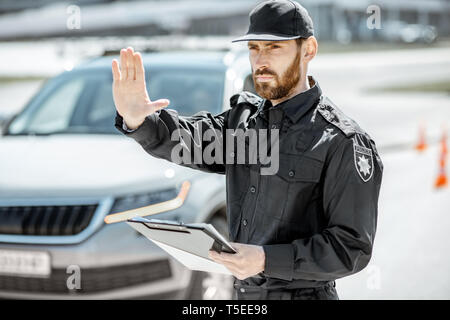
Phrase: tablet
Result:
[195,238]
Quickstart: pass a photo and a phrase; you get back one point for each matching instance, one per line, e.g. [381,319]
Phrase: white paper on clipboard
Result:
[190,260]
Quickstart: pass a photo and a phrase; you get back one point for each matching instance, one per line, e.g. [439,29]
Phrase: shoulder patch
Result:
[363,162]
[363,157]
[331,113]
[245,97]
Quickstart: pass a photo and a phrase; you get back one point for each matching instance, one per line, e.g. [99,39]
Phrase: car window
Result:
[189,91]
[52,115]
[83,103]
[69,92]
[101,111]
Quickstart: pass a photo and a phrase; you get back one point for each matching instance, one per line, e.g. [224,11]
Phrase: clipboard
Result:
[188,243]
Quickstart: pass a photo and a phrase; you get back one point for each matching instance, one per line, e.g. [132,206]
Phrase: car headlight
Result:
[141,200]
[147,204]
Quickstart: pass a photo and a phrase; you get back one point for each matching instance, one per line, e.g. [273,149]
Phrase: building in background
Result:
[335,20]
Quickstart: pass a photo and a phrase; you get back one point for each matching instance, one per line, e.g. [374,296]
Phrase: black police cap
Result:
[276,20]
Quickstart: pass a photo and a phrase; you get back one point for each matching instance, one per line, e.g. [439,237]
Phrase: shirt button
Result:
[244,222]
[253,189]
[291,173]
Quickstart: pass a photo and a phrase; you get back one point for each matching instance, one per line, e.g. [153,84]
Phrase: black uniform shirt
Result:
[316,216]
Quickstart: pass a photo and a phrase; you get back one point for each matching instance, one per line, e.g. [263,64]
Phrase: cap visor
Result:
[264,37]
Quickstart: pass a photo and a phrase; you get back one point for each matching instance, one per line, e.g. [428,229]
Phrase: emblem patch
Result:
[363,162]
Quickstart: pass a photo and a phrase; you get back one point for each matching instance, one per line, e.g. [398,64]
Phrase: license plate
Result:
[25,263]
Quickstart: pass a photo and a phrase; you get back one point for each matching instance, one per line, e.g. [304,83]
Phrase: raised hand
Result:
[129,90]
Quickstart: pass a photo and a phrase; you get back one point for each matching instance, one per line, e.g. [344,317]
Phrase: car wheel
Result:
[213,286]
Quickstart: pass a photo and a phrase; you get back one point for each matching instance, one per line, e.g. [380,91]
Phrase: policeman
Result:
[314,219]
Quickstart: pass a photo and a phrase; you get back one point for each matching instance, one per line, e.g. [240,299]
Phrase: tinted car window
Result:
[83,102]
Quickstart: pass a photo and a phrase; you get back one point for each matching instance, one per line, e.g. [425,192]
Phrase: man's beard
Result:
[282,86]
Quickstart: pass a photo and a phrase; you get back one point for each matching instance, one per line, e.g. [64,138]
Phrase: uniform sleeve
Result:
[182,139]
[350,204]
[125,128]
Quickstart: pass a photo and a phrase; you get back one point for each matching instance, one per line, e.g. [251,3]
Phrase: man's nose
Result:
[261,62]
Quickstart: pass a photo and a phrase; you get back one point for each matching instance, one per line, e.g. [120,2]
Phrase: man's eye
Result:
[275,46]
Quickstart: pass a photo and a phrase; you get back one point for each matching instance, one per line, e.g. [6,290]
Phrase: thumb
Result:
[159,104]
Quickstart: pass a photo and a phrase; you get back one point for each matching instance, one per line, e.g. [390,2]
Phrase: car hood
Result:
[81,165]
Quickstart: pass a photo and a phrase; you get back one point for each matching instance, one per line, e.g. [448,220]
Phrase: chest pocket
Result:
[298,177]
[289,191]
[299,168]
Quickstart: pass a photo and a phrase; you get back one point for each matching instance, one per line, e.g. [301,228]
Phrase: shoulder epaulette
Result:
[331,113]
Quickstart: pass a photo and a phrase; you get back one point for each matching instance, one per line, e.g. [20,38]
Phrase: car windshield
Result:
[82,102]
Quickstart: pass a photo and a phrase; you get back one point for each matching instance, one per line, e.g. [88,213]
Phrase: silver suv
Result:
[62,171]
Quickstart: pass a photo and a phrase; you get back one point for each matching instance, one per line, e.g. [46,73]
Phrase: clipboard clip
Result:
[217,246]
[161,224]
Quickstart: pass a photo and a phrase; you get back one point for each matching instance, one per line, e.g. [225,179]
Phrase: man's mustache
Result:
[265,72]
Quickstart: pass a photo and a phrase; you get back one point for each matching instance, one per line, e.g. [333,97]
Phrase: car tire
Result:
[212,286]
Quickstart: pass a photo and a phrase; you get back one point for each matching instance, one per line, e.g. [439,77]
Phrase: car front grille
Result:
[45,220]
[93,280]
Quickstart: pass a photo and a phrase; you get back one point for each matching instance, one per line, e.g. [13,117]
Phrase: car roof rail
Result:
[167,43]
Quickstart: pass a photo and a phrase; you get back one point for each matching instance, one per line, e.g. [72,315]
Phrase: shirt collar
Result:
[299,104]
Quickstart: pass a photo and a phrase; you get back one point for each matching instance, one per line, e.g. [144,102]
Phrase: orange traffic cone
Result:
[421,144]
[441,180]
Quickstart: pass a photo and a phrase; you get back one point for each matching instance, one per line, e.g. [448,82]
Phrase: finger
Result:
[218,258]
[229,257]
[159,104]
[213,254]
[115,70]
[130,62]
[227,264]
[123,64]
[140,72]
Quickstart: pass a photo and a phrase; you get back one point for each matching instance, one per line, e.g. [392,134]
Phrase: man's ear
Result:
[309,48]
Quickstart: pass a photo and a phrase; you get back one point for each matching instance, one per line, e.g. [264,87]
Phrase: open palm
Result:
[129,89]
